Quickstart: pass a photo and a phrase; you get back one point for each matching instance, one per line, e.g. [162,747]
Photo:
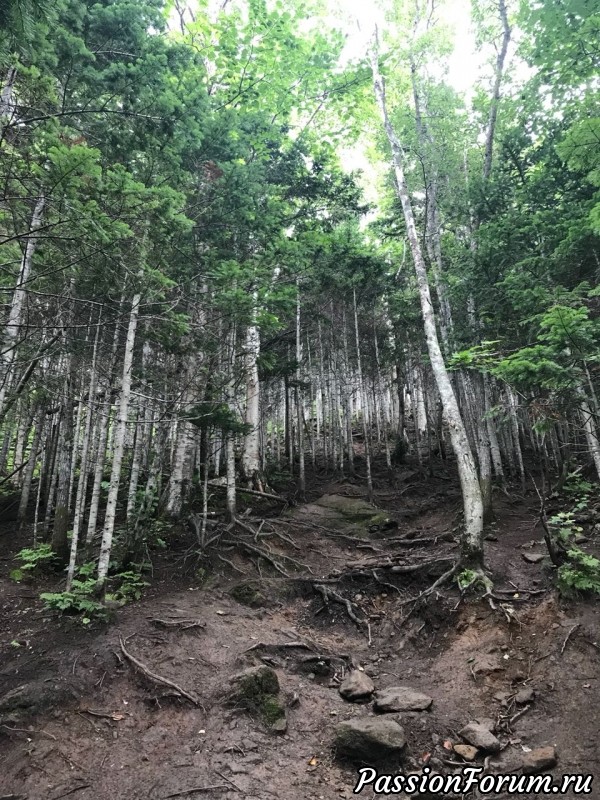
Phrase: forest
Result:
[300,327]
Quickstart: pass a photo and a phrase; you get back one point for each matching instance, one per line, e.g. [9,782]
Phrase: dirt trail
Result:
[100,730]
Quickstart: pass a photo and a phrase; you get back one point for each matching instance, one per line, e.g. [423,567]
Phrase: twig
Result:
[157,678]
[569,634]
[72,791]
[518,715]
[225,778]
[30,730]
[198,789]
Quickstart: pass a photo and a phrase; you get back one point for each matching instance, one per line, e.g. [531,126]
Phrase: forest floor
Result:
[78,720]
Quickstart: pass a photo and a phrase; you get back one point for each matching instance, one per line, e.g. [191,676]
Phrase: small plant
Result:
[79,600]
[563,525]
[473,579]
[33,559]
[580,574]
[131,587]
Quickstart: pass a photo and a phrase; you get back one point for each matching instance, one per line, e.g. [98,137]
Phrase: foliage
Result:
[79,601]
[34,559]
[581,573]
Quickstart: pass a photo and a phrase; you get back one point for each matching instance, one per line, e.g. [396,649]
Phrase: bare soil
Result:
[92,727]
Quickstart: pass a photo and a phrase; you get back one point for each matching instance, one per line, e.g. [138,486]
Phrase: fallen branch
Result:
[157,678]
[253,492]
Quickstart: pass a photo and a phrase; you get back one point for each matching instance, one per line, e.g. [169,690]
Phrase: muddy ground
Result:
[86,723]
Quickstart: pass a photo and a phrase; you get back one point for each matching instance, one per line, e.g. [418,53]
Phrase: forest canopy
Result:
[203,297]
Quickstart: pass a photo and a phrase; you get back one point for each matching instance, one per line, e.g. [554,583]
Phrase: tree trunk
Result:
[11,333]
[472,537]
[119,444]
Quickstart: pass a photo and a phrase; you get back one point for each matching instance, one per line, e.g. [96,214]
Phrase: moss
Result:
[257,690]
[256,682]
[379,519]
[271,710]
[247,594]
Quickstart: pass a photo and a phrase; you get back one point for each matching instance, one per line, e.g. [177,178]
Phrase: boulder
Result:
[543,758]
[369,740]
[357,686]
[401,698]
[479,736]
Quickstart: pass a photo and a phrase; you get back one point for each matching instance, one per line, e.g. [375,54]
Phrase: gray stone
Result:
[533,558]
[487,664]
[369,740]
[543,758]
[401,698]
[524,696]
[357,686]
[479,736]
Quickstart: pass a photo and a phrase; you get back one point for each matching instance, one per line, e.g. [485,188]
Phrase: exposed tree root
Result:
[329,594]
[157,678]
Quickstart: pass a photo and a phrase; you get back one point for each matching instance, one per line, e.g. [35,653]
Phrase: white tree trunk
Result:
[83,467]
[472,538]
[11,332]
[251,449]
[119,444]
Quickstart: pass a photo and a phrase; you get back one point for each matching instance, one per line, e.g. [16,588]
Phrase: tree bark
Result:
[119,444]
[472,538]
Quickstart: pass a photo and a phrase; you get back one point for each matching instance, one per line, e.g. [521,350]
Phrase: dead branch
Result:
[253,492]
[156,678]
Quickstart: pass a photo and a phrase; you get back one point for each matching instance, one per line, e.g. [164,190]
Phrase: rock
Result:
[357,686]
[580,538]
[487,664]
[502,697]
[401,698]
[533,558]
[257,690]
[479,736]
[279,725]
[466,751]
[35,697]
[487,722]
[369,740]
[524,696]
[543,758]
